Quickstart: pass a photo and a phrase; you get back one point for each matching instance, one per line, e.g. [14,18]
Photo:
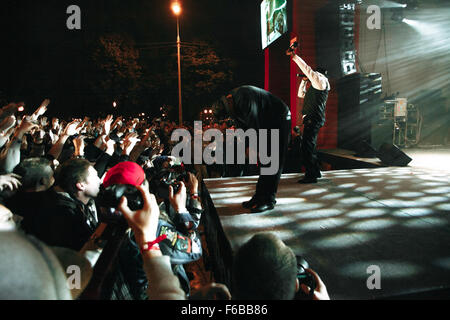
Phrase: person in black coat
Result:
[254,108]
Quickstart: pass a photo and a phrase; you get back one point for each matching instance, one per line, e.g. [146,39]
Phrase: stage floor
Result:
[396,218]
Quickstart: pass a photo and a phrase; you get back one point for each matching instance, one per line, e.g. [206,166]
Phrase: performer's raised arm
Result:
[318,80]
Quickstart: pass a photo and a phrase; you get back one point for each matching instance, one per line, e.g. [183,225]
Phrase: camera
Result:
[304,277]
[162,179]
[108,200]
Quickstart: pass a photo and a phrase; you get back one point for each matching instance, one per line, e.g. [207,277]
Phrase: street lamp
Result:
[176,8]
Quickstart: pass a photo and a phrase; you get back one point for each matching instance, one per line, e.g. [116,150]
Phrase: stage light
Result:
[21,109]
[114,104]
[423,28]
[397,15]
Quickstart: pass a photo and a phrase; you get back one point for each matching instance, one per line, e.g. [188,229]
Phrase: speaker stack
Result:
[335,38]
[359,95]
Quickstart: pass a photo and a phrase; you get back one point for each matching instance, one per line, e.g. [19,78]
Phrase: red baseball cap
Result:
[126,172]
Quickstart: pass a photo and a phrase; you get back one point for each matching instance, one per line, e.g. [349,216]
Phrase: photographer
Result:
[164,284]
[176,223]
[176,191]
[266,269]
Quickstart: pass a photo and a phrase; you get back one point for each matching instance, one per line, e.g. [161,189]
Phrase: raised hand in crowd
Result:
[40,110]
[192,184]
[6,129]
[163,284]
[10,182]
[25,126]
[71,129]
[178,199]
[79,145]
[55,124]
[129,142]
[7,123]
[82,124]
[117,122]
[143,222]
[43,121]
[107,125]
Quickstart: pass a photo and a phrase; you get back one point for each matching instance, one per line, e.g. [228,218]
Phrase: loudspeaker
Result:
[335,38]
[391,155]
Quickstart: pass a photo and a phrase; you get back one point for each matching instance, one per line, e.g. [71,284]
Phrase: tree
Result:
[117,72]
[205,75]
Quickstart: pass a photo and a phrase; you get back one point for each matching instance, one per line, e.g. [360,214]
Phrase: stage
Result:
[396,218]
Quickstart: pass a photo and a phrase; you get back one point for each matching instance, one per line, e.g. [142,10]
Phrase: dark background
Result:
[42,58]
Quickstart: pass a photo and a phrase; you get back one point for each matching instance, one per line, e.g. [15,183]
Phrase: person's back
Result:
[256,108]
[60,221]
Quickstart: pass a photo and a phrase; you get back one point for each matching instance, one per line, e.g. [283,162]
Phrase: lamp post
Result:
[176,8]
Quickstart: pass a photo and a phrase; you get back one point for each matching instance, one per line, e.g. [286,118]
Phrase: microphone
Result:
[293,46]
[300,75]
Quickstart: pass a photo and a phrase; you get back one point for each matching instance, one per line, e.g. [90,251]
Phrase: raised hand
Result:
[26,126]
[7,123]
[79,145]
[144,222]
[178,200]
[41,110]
[72,128]
[107,124]
[129,142]
[320,293]
[117,122]
[192,183]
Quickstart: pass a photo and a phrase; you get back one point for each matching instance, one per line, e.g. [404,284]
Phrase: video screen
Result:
[273,20]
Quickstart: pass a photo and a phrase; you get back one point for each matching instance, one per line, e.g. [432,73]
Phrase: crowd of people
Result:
[63,183]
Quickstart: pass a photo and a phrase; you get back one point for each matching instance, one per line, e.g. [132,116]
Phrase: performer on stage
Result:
[314,90]
[254,108]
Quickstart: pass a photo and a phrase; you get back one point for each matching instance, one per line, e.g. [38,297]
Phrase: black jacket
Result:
[257,108]
[60,220]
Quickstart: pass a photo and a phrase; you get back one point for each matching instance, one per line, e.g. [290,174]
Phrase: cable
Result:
[385,54]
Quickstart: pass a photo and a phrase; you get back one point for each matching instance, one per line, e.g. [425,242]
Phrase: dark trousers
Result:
[308,149]
[267,186]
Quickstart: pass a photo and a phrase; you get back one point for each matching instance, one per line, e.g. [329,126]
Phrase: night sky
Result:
[42,58]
